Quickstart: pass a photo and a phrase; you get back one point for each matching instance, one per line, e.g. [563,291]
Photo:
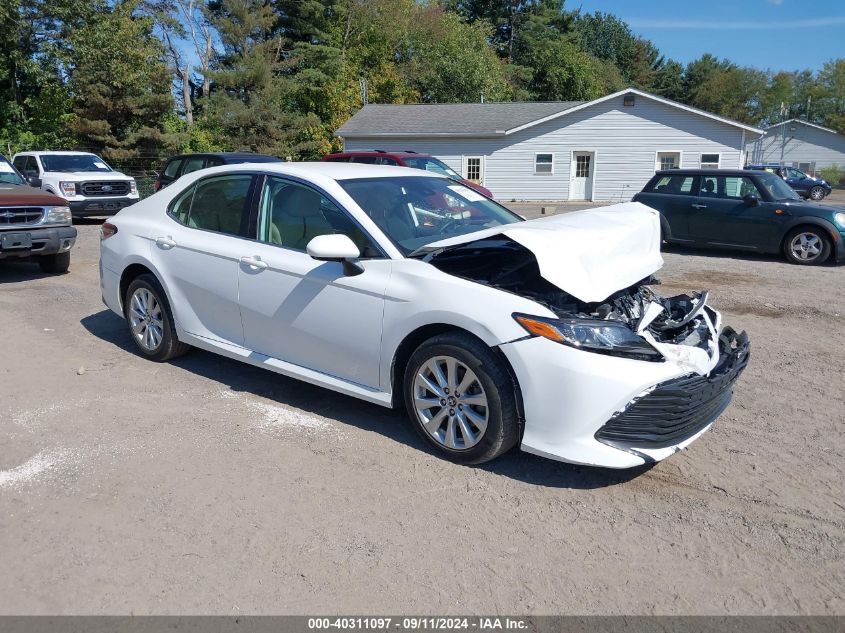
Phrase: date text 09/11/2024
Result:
[418,623]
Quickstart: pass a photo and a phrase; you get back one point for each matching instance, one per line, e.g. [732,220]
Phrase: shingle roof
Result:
[433,119]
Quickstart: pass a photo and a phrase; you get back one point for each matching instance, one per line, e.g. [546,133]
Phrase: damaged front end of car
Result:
[633,322]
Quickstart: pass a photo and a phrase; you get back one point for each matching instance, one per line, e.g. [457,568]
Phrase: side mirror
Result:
[336,248]
[34,181]
[751,200]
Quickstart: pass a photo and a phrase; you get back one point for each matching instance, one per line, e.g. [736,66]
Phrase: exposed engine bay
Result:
[505,264]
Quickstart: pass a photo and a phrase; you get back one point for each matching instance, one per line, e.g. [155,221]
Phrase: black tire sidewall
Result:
[503,430]
[820,259]
[168,337]
[55,263]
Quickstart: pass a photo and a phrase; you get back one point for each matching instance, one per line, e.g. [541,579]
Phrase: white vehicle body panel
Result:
[304,318]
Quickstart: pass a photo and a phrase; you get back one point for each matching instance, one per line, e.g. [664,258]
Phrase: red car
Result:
[407,158]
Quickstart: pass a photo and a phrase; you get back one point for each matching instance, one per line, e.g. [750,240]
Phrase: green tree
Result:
[669,81]
[249,107]
[119,82]
[831,100]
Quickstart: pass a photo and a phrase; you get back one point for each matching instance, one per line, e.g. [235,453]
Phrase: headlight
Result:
[57,215]
[133,188]
[68,189]
[601,337]
[839,218]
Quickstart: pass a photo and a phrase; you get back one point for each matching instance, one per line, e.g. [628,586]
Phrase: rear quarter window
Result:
[674,184]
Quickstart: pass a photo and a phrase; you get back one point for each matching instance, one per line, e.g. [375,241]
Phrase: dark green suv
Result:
[748,210]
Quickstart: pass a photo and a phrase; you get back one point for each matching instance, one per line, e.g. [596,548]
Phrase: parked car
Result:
[806,186]
[178,166]
[33,224]
[86,182]
[407,158]
[400,286]
[744,209]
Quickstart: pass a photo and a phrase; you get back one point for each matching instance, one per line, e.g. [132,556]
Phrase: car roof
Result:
[335,171]
[234,156]
[704,172]
[380,152]
[60,153]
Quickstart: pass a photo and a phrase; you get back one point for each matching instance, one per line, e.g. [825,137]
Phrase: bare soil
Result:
[207,486]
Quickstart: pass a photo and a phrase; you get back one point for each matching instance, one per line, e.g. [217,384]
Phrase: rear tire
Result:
[150,320]
[471,427]
[817,193]
[806,246]
[57,263]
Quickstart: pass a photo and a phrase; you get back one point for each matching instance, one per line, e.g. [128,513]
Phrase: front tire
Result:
[817,193]
[56,263]
[150,320]
[806,246]
[461,399]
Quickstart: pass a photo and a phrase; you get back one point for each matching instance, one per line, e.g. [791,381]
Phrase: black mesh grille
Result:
[104,188]
[20,215]
[677,409]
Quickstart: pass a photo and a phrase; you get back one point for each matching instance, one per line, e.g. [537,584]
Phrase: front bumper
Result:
[598,410]
[45,241]
[99,206]
[839,247]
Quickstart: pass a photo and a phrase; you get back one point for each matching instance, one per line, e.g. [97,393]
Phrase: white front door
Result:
[581,176]
[307,312]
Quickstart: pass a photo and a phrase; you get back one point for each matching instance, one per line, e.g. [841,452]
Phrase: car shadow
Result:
[14,271]
[392,424]
[726,253]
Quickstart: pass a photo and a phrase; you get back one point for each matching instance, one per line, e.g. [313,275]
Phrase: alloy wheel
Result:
[450,402]
[145,319]
[806,246]
[817,193]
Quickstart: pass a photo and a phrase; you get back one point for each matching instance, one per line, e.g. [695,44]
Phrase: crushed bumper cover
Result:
[676,410]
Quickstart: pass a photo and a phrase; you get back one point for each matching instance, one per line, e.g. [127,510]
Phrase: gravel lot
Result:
[207,486]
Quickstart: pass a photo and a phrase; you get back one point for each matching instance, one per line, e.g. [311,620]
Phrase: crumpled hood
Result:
[589,254]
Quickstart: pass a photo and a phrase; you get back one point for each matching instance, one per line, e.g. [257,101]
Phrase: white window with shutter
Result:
[710,161]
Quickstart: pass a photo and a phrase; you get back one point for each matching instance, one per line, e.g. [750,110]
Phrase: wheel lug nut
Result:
[457,395]
[451,412]
[443,401]
[446,390]
[460,407]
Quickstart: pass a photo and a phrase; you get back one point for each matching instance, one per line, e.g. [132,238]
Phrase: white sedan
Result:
[402,287]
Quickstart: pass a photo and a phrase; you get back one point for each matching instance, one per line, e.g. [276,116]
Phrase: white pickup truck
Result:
[85,180]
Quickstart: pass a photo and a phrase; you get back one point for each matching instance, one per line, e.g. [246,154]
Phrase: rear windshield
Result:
[431,164]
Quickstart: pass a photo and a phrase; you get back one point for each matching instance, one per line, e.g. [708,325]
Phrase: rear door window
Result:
[193,164]
[221,204]
[673,185]
[172,168]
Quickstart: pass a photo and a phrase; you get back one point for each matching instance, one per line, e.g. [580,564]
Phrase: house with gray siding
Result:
[605,149]
[803,145]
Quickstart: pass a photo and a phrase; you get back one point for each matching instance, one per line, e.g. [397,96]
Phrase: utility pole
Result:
[782,130]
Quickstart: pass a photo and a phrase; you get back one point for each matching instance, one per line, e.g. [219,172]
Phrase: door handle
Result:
[698,206]
[254,262]
[165,242]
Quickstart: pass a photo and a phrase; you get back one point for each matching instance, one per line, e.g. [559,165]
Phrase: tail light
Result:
[107,230]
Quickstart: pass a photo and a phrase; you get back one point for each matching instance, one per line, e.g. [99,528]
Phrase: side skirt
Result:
[288,369]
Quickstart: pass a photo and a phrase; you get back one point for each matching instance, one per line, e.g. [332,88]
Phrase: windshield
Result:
[8,174]
[417,210]
[73,162]
[778,189]
[432,164]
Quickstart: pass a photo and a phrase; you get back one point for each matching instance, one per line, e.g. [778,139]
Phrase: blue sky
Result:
[766,34]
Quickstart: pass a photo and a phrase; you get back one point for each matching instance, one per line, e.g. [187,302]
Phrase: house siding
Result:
[625,141]
[806,145]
